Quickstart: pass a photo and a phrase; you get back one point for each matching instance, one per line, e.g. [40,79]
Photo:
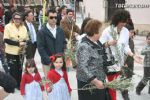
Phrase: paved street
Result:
[139,42]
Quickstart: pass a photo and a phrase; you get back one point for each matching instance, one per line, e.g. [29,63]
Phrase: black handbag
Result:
[108,57]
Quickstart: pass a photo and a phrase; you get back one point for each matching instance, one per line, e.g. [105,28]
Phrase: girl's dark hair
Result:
[85,21]
[30,63]
[120,15]
[59,55]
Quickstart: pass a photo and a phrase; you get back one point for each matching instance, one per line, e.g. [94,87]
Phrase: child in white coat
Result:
[30,87]
[58,76]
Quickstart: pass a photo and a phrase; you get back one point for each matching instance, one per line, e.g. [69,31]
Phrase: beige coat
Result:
[66,25]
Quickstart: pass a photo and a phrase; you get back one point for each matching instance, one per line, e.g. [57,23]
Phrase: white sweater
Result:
[121,48]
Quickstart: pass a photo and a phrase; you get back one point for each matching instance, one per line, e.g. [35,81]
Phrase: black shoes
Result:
[149,89]
[125,95]
[138,92]
[140,87]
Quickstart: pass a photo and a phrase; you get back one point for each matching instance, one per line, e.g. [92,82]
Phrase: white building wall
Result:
[95,9]
[139,15]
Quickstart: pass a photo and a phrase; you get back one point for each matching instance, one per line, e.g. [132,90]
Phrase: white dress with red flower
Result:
[60,90]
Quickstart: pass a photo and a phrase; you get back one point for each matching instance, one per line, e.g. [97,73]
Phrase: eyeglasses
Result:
[30,66]
[70,14]
[17,18]
[52,17]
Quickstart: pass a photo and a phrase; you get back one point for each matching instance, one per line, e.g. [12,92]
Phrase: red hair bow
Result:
[52,58]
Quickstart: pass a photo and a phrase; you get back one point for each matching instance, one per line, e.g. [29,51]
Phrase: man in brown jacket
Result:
[68,24]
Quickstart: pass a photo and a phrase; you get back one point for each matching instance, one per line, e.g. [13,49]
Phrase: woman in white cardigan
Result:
[116,36]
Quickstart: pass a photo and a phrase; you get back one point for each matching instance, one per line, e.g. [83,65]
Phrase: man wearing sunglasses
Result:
[50,40]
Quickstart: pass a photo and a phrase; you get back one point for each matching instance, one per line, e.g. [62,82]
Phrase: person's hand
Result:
[98,83]
[126,65]
[3,93]
[112,42]
[138,59]
[68,63]
[50,64]
[75,34]
[48,88]
[23,96]
[21,44]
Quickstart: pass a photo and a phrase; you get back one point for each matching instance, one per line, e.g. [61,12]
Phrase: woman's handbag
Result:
[108,57]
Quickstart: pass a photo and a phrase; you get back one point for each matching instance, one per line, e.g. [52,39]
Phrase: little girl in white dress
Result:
[30,87]
[58,76]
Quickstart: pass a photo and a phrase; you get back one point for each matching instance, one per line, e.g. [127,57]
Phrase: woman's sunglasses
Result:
[17,19]
[30,66]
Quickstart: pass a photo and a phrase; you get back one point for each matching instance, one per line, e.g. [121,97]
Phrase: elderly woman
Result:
[116,38]
[15,36]
[90,63]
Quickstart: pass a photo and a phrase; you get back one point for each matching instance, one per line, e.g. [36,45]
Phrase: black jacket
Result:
[35,27]
[48,45]
[58,19]
[30,47]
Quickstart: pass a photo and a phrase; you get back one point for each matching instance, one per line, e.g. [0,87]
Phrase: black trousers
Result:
[95,94]
[4,64]
[128,73]
[145,79]
[30,50]
[15,66]
[130,63]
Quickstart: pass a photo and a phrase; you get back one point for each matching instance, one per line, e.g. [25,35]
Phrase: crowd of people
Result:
[100,55]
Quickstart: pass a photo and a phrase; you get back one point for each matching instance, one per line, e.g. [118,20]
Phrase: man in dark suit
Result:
[31,44]
[61,14]
[50,40]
